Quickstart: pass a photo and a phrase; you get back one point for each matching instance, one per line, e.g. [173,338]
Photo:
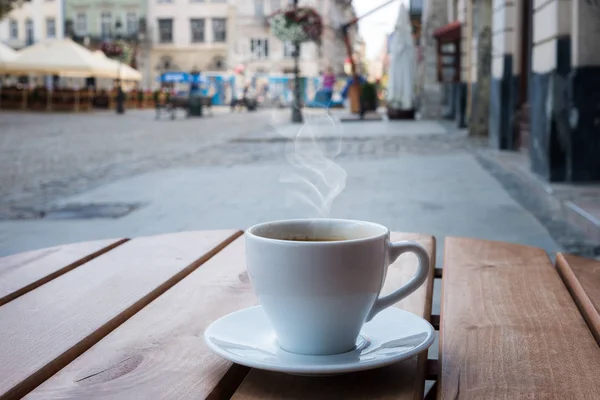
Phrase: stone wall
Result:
[435,15]
[480,108]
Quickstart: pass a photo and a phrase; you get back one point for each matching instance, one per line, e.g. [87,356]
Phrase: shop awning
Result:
[448,52]
[448,33]
[124,71]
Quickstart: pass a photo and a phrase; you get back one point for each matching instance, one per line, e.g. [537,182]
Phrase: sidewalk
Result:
[571,211]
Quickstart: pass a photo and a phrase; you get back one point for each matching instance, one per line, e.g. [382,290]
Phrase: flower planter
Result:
[300,24]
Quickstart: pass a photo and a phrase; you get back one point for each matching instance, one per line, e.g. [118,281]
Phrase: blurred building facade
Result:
[545,96]
[93,24]
[525,73]
[32,21]
[434,16]
[189,36]
[378,66]
[360,54]
[258,51]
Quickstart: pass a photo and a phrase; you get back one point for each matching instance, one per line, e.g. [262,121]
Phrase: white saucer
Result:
[246,337]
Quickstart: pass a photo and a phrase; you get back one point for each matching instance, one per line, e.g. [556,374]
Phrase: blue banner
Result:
[175,77]
[181,77]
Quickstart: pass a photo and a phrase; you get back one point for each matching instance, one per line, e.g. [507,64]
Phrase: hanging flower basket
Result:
[119,50]
[301,24]
[112,49]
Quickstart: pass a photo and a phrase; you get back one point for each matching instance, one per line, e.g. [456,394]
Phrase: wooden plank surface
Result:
[509,328]
[50,326]
[160,352]
[403,380]
[23,272]
[582,278]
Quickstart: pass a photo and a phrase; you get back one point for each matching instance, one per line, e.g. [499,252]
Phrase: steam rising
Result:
[318,180]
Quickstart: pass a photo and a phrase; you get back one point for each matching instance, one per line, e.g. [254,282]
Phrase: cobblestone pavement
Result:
[44,156]
[47,156]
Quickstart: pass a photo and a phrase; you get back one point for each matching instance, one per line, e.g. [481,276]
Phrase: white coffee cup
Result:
[318,294]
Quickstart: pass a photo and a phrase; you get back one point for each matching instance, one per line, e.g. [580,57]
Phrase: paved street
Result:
[47,155]
[67,178]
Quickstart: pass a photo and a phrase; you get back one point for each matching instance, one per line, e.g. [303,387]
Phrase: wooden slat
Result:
[403,380]
[47,328]
[21,273]
[509,328]
[160,351]
[582,278]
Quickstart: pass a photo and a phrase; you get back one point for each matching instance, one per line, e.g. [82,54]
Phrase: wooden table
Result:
[124,319]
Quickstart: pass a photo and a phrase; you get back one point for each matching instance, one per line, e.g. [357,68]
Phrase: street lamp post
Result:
[120,93]
[296,110]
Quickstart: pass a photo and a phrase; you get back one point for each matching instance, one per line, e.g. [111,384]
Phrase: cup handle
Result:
[395,249]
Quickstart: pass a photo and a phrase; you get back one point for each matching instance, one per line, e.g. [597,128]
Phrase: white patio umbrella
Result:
[61,57]
[402,70]
[6,54]
[126,72]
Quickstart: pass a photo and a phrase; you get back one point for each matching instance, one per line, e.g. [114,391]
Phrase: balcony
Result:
[96,40]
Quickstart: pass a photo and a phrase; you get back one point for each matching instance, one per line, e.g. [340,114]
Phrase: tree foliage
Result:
[7,6]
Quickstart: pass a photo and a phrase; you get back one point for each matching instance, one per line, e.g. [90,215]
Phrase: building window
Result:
[219,26]
[50,27]
[259,48]
[165,63]
[28,31]
[81,24]
[197,27]
[259,8]
[105,24]
[14,29]
[165,30]
[218,63]
[288,49]
[131,23]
